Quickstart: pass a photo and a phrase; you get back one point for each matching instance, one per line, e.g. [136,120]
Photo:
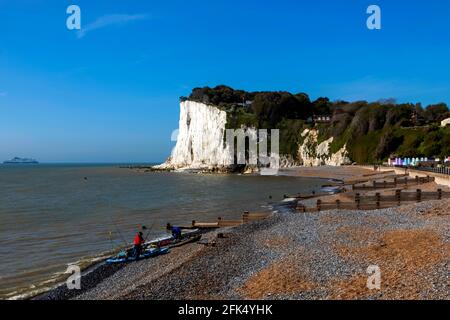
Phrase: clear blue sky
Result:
[111,92]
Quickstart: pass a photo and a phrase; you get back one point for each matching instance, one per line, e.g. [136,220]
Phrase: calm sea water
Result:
[51,216]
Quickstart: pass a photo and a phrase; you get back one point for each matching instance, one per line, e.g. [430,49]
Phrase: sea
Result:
[56,215]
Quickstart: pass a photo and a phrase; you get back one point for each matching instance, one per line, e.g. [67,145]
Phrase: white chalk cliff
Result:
[200,142]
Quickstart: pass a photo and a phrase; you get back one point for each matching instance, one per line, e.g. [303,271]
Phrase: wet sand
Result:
[326,172]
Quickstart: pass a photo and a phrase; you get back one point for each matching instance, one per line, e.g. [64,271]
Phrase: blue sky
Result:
[110,93]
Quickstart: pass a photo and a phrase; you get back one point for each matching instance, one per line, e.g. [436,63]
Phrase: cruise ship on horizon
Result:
[17,160]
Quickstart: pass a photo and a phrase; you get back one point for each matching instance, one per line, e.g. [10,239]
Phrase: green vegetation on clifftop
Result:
[372,132]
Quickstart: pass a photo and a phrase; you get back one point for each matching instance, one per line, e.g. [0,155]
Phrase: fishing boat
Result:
[127,256]
[156,247]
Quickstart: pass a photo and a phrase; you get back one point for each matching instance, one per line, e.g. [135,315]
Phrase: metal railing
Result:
[440,170]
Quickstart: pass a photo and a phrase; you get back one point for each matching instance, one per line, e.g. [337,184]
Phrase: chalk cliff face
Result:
[200,142]
[313,153]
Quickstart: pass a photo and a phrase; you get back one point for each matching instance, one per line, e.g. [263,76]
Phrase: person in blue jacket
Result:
[176,231]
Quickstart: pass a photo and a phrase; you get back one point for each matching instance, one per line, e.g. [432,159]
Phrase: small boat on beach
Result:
[332,189]
[125,257]
[156,247]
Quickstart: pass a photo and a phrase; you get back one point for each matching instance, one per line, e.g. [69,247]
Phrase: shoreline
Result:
[99,204]
[98,275]
[95,273]
[229,269]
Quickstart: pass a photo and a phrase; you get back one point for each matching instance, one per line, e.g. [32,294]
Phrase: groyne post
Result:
[245,217]
[301,207]
[398,196]
[378,199]
[358,201]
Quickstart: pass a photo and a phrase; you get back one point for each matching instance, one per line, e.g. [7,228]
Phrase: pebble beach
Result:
[292,255]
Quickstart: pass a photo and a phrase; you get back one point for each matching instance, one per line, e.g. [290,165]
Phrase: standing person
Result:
[138,242]
[176,231]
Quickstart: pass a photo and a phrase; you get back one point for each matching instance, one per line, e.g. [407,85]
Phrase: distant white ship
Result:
[17,160]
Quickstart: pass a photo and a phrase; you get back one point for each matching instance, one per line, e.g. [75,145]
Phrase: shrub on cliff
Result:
[220,95]
[436,112]
[272,107]
[322,106]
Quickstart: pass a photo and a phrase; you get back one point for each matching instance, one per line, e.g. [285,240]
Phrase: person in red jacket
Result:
[138,242]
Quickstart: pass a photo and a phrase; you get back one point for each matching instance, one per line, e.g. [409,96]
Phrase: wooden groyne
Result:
[397,181]
[369,183]
[440,178]
[222,223]
[377,201]
[376,176]
[397,190]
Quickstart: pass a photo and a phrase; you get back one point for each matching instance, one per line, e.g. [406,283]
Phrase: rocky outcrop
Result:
[312,153]
[287,161]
